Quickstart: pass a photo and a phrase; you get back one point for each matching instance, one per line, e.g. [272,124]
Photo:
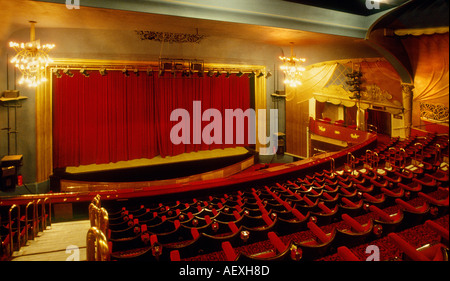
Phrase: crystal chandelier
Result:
[293,69]
[31,59]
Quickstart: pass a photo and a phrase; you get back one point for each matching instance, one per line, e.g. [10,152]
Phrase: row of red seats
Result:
[326,199]
[416,211]
[22,222]
[349,232]
[435,250]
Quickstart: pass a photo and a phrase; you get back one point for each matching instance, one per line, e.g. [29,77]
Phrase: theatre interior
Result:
[228,131]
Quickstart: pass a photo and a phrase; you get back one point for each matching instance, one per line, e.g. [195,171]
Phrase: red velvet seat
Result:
[412,188]
[443,232]
[378,200]
[329,200]
[279,252]
[351,208]
[319,245]
[413,215]
[393,194]
[339,123]
[441,205]
[258,227]
[388,222]
[428,183]
[441,176]
[307,205]
[427,253]
[358,208]
[326,215]
[355,234]
[345,254]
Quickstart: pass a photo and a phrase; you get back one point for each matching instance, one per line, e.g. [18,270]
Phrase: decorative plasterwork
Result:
[376,94]
[169,37]
[372,95]
[335,94]
[436,112]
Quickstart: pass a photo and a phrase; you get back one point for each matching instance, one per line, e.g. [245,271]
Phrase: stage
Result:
[142,173]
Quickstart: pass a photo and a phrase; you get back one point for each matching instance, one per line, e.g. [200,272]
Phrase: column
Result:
[407,94]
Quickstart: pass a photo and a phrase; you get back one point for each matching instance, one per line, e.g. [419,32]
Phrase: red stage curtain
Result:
[103,119]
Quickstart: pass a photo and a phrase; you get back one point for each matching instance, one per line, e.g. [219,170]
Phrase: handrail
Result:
[437,155]
[404,155]
[38,220]
[418,146]
[375,161]
[389,161]
[368,159]
[96,245]
[333,166]
[372,160]
[49,212]
[372,128]
[349,158]
[11,245]
[29,206]
[31,203]
[43,219]
[350,165]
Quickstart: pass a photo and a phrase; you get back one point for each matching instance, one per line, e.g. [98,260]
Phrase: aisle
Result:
[51,244]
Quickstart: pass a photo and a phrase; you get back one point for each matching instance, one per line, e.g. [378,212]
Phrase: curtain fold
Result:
[104,119]
[260,103]
[429,56]
[297,107]
[313,79]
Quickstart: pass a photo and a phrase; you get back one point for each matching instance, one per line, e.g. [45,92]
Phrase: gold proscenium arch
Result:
[44,96]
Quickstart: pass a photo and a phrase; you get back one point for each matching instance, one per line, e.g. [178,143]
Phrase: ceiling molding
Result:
[270,13]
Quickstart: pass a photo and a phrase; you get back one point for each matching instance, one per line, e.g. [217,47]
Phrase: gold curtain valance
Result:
[421,31]
[373,96]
